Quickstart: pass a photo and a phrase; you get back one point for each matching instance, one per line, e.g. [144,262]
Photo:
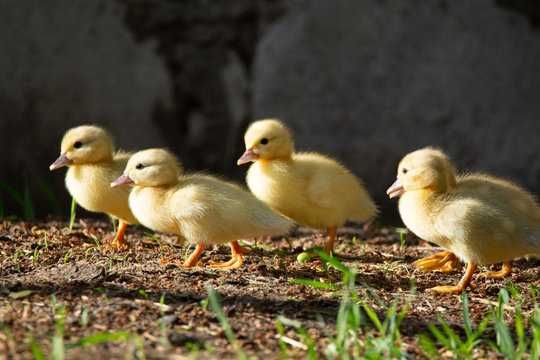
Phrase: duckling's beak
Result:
[60,162]
[248,156]
[395,190]
[122,180]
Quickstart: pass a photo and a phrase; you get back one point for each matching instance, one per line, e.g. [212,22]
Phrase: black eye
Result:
[264,141]
[404,170]
[139,166]
[77,145]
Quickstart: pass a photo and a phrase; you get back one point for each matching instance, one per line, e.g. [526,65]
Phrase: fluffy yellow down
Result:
[310,188]
[93,165]
[480,218]
[202,208]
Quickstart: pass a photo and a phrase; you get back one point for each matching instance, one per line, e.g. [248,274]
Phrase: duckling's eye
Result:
[264,141]
[404,171]
[139,166]
[77,145]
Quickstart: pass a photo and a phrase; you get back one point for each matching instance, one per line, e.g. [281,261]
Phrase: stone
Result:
[67,63]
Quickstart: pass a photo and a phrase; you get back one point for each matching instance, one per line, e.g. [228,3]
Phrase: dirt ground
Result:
[108,291]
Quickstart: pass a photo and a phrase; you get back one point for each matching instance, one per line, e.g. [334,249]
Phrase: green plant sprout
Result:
[72,213]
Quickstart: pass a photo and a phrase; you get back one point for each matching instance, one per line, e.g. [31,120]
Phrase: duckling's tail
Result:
[279,225]
[533,241]
[271,223]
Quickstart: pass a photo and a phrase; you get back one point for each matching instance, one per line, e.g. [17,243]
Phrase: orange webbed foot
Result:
[444,261]
[447,289]
[235,262]
[237,258]
[506,270]
[461,286]
[193,259]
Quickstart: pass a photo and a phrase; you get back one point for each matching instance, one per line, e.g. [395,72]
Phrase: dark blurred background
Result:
[363,80]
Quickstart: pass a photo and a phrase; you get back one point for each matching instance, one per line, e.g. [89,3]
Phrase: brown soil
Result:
[122,290]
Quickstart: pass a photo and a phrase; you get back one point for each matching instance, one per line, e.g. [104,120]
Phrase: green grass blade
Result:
[36,350]
[215,306]
[372,315]
[58,348]
[438,335]
[535,330]
[428,346]
[342,323]
[519,326]
[314,284]
[505,343]
[467,324]
[72,213]
[454,339]
[282,345]
[331,260]
[101,338]
[28,205]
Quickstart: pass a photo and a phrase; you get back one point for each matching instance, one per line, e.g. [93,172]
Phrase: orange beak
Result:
[248,156]
[122,180]
[395,190]
[60,162]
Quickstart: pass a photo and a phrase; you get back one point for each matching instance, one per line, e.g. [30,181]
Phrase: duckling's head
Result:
[267,139]
[152,167]
[84,145]
[427,168]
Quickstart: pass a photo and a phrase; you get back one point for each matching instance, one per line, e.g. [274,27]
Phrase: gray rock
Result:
[65,63]
[369,80]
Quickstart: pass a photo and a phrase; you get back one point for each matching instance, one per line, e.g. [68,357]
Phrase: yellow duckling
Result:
[88,151]
[310,188]
[480,218]
[203,209]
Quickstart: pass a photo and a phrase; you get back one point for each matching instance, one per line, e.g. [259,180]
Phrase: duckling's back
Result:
[518,203]
[501,219]
[311,189]
[209,209]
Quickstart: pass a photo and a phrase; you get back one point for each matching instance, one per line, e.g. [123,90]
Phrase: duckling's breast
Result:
[90,187]
[276,184]
[151,208]
[417,214]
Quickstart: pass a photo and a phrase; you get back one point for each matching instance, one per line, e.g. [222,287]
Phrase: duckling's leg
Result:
[237,258]
[444,261]
[504,272]
[332,235]
[118,242]
[192,260]
[461,286]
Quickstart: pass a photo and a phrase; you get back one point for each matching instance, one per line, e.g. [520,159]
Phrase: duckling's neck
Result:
[424,197]
[266,162]
[419,204]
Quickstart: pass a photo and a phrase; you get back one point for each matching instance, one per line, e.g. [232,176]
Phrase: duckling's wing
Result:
[476,230]
[332,187]
[190,203]
[320,190]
